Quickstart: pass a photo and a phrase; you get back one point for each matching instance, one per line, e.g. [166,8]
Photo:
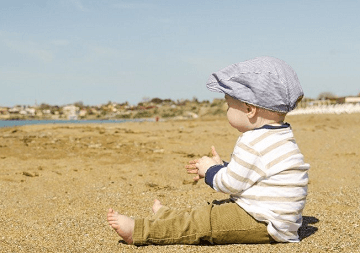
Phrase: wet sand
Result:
[58,181]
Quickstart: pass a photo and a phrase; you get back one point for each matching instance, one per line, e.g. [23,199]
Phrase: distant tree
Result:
[156,100]
[79,104]
[44,106]
[168,100]
[326,95]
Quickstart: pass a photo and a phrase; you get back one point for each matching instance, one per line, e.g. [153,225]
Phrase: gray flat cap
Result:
[266,82]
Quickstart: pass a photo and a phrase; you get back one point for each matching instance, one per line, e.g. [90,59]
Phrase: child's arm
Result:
[243,171]
[200,166]
[213,166]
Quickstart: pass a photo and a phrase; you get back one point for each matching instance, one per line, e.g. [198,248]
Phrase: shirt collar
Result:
[284,125]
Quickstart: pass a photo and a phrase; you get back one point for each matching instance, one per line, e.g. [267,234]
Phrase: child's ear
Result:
[251,110]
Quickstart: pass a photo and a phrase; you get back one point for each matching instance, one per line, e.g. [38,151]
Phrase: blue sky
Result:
[61,52]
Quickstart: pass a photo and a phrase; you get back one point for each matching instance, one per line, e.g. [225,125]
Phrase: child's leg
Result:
[219,223]
[169,226]
[231,224]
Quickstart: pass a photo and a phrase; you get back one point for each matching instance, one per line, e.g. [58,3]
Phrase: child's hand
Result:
[200,166]
[191,169]
[216,156]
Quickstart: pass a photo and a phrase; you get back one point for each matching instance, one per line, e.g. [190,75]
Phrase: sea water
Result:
[11,123]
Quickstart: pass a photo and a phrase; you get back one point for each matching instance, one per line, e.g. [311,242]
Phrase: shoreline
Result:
[23,122]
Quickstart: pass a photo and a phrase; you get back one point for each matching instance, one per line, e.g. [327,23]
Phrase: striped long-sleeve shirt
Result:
[268,178]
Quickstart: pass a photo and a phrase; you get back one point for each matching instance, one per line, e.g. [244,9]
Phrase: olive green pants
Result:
[221,222]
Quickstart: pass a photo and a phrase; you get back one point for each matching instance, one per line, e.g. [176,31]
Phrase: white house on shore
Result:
[71,112]
[340,105]
[348,100]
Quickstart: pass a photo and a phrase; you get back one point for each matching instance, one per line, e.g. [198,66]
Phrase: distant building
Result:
[71,112]
[4,110]
[348,100]
[15,110]
[321,102]
[46,112]
[30,111]
[83,113]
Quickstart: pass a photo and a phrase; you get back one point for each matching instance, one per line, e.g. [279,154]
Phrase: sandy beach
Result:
[58,181]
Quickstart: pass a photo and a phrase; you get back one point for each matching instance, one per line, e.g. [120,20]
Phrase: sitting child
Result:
[266,177]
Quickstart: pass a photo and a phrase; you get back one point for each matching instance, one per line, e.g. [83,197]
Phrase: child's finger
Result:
[192,171]
[214,153]
[216,156]
[197,178]
[193,161]
[190,166]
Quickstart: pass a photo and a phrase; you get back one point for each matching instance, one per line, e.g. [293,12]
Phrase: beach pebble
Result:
[28,174]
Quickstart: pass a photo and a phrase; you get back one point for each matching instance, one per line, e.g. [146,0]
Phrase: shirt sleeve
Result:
[211,172]
[243,171]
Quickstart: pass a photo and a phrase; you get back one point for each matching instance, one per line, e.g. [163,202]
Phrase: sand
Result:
[58,181]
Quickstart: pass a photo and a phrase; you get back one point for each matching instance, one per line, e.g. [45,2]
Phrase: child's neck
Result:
[272,122]
[275,123]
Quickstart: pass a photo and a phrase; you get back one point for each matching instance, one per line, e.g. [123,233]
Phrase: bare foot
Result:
[123,225]
[157,205]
